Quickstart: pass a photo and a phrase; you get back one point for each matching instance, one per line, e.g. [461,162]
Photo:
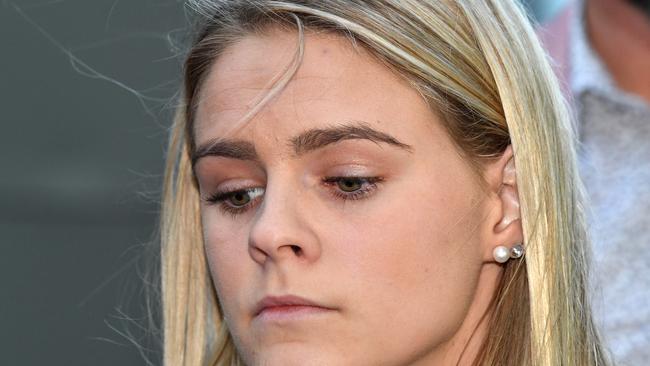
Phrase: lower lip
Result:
[290,312]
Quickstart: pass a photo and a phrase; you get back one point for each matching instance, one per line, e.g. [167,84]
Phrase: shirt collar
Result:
[588,73]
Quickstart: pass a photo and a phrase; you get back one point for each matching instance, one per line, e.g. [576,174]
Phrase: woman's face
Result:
[349,193]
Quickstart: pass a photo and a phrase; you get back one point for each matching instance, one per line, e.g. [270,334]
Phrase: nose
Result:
[281,230]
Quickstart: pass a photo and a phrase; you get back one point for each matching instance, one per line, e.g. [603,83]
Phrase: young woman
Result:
[372,183]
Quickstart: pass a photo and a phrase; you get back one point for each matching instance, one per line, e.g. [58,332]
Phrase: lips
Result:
[285,301]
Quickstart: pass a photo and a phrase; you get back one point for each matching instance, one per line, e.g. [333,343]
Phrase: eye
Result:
[349,184]
[237,201]
[352,188]
[240,198]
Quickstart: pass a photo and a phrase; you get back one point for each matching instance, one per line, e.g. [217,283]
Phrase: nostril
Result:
[296,249]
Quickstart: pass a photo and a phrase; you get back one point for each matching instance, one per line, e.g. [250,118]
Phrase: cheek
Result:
[414,256]
[415,229]
[224,252]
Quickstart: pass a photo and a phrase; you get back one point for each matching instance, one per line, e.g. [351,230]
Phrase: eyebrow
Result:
[301,144]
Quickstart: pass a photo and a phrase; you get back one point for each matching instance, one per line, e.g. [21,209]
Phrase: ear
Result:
[504,217]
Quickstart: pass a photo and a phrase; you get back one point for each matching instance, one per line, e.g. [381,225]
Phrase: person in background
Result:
[601,49]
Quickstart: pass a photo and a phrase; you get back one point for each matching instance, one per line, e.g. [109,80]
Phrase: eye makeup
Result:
[237,201]
[250,196]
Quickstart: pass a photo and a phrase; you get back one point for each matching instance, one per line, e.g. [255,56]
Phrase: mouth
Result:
[288,306]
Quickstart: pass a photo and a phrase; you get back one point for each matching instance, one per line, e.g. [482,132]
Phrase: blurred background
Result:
[87,90]
[87,93]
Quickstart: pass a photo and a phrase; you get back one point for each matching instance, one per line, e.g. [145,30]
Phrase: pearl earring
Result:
[502,253]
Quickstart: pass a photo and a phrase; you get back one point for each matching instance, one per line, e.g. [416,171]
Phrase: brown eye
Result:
[349,185]
[236,202]
[239,198]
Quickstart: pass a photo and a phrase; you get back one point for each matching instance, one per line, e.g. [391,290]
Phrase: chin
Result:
[294,354]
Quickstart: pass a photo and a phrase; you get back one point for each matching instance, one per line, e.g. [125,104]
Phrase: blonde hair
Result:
[479,66]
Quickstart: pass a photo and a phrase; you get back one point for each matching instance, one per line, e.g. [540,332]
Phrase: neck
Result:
[619,33]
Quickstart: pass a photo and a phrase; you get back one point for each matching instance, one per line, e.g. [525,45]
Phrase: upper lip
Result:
[270,301]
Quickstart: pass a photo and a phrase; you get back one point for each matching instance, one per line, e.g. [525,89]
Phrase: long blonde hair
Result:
[481,68]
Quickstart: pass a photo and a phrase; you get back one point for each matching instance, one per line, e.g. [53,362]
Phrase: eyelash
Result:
[221,198]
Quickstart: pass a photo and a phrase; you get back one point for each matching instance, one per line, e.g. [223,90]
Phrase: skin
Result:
[408,269]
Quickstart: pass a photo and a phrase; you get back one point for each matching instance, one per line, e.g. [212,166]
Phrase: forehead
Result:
[335,83]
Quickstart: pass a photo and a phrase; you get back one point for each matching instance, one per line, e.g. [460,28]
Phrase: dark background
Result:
[80,169]
[87,93]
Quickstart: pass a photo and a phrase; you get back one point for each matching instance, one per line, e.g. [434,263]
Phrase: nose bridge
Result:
[279,231]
